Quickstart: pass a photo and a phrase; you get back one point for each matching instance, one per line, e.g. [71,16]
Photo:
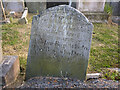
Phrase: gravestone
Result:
[92,6]
[93,10]
[115,8]
[15,5]
[9,69]
[115,11]
[60,43]
[35,7]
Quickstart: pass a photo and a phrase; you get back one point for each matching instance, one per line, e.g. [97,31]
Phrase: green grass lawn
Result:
[104,48]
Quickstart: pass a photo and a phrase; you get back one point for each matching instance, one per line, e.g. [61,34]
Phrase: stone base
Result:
[9,69]
[97,17]
[93,76]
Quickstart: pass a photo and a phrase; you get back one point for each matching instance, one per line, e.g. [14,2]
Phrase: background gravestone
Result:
[115,11]
[91,6]
[34,7]
[60,43]
[115,8]
[15,5]
[94,11]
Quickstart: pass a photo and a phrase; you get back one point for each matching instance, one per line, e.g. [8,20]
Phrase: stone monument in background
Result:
[15,5]
[60,43]
[93,10]
[115,11]
[92,6]
[35,7]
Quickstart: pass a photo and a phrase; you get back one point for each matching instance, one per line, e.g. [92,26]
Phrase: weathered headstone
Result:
[15,5]
[60,43]
[36,7]
[115,8]
[115,11]
[9,69]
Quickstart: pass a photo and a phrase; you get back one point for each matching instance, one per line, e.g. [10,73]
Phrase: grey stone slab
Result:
[36,7]
[60,43]
[15,5]
[115,8]
[10,69]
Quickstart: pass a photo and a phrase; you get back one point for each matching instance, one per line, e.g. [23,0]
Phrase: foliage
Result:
[104,48]
[11,19]
[111,75]
[108,9]
[9,35]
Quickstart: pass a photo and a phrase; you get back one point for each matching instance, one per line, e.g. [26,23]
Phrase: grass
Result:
[104,47]
[15,40]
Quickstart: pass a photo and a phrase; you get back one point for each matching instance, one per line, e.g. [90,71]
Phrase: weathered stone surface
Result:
[60,43]
[15,5]
[91,6]
[36,7]
[115,11]
[10,69]
[115,8]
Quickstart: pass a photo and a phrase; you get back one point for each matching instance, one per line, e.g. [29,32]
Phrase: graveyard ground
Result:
[104,48]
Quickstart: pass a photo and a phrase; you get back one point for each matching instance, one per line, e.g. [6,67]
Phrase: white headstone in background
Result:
[92,6]
[60,43]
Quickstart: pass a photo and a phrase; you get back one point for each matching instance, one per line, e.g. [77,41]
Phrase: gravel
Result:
[57,82]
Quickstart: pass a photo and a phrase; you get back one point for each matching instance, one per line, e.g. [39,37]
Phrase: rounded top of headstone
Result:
[65,9]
